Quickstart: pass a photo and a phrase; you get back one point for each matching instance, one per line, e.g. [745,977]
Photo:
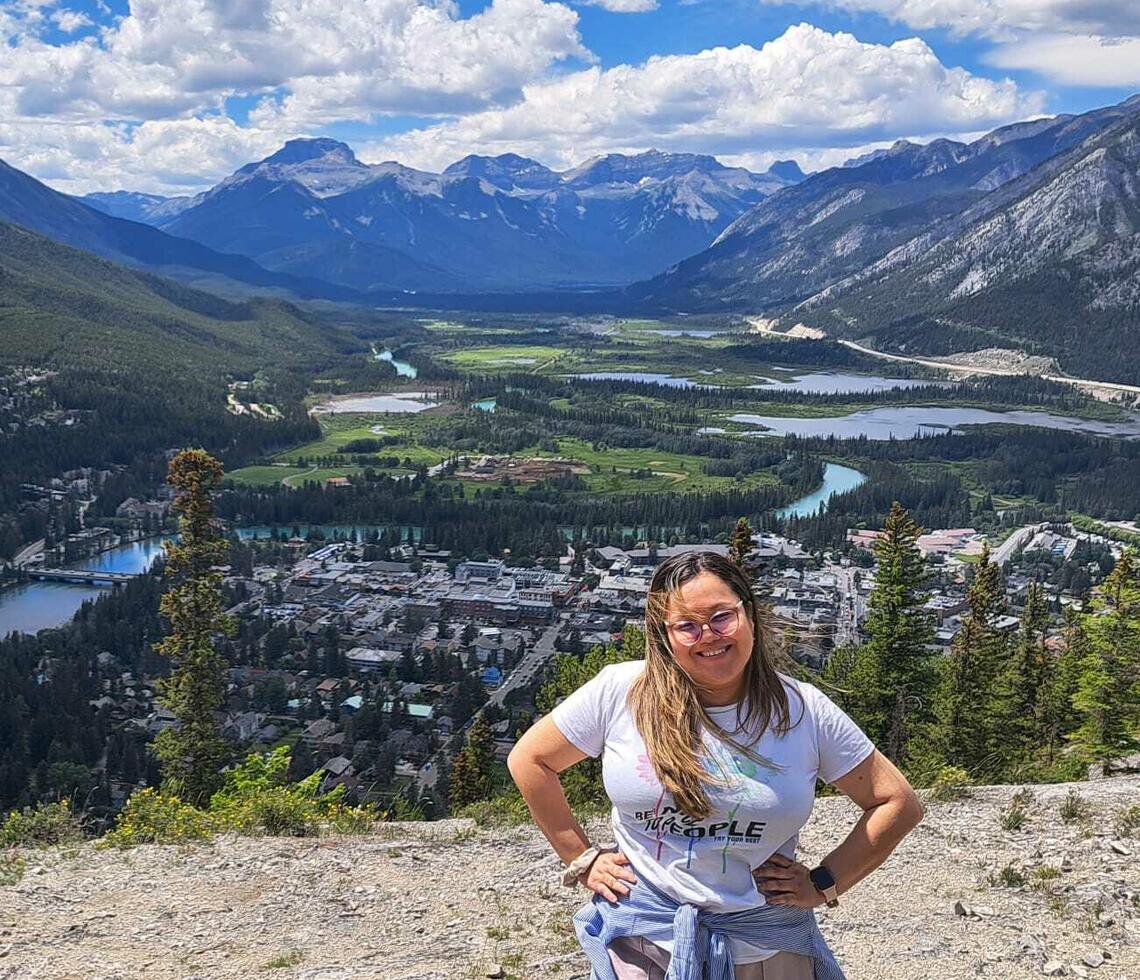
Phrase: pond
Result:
[912,422]
[832,382]
[644,376]
[822,382]
[403,402]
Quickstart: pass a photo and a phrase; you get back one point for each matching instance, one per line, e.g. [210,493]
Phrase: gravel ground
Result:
[444,900]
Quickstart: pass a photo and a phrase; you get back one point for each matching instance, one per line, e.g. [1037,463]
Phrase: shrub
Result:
[508,810]
[11,869]
[256,797]
[951,783]
[154,817]
[42,825]
[1127,821]
[1013,818]
[1074,807]
[1008,877]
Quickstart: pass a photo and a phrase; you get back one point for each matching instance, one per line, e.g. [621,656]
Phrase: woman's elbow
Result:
[515,763]
[911,809]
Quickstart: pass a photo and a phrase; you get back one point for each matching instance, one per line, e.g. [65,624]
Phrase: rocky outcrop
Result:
[961,897]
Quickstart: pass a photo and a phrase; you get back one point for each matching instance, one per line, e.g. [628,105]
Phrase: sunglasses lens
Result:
[724,623]
[688,632]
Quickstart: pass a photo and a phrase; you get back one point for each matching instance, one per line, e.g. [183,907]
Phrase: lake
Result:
[41,605]
[403,402]
[832,383]
[912,422]
[648,377]
[836,479]
[485,404]
[403,368]
[821,382]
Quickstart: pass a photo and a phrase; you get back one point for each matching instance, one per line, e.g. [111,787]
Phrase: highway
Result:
[1021,537]
[1103,386]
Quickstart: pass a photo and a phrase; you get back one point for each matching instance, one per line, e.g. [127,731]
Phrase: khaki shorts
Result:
[635,958]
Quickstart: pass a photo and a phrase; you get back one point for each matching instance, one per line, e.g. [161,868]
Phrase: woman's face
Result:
[716,665]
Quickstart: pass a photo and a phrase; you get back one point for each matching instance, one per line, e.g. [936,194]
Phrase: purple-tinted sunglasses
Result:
[722,624]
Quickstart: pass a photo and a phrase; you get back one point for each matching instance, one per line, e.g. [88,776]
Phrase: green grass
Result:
[671,472]
[505,357]
[262,476]
[341,429]
[285,960]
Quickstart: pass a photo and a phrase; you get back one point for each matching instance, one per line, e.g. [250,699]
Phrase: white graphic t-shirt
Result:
[760,811]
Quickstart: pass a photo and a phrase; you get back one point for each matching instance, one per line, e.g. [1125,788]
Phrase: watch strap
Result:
[824,882]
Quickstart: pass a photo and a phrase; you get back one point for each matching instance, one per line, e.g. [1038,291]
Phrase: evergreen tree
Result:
[472,777]
[968,730]
[740,545]
[889,679]
[1107,693]
[1022,684]
[193,753]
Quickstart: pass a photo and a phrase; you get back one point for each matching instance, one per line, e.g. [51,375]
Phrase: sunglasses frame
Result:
[708,623]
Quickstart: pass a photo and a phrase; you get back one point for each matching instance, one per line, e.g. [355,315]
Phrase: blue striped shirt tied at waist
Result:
[699,938]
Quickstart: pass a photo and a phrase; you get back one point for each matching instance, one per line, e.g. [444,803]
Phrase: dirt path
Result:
[445,902]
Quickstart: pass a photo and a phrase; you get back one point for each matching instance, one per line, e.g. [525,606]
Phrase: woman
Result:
[710,758]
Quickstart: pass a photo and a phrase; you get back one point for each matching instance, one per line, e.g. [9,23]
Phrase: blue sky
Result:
[169,96]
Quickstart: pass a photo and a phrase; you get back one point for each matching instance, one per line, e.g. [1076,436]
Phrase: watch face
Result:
[821,878]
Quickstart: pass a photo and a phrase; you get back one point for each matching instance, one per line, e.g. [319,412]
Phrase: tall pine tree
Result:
[1022,685]
[193,753]
[1107,695]
[472,776]
[890,677]
[968,730]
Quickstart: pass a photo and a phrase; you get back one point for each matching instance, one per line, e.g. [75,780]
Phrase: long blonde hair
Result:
[663,698]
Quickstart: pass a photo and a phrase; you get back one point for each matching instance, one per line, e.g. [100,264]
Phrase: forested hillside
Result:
[128,365]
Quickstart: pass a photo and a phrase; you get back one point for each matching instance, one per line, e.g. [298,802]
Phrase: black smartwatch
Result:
[824,882]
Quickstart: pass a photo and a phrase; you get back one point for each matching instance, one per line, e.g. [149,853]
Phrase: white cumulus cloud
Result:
[996,17]
[1076,42]
[1075,59]
[314,63]
[808,89]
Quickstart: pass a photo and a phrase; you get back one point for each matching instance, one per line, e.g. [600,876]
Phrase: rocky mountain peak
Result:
[307,150]
[506,170]
[787,170]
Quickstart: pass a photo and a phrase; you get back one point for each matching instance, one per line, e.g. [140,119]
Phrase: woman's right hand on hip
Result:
[608,875]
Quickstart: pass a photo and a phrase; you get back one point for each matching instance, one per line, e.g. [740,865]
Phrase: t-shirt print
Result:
[755,810]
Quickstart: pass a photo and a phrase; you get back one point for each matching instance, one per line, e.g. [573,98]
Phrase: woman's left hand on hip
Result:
[783,881]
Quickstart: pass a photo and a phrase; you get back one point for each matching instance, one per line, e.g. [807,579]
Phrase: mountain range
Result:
[484,223]
[24,201]
[1028,237]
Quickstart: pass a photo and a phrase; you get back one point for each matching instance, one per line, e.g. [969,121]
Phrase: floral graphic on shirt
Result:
[645,769]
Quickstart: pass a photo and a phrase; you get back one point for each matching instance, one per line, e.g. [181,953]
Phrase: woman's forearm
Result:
[871,841]
[546,800]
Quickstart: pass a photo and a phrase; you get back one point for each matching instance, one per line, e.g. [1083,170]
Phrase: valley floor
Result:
[444,900]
